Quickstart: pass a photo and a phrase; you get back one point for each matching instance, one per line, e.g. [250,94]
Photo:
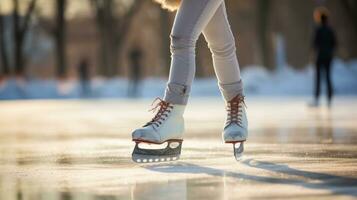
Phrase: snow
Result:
[288,81]
[257,81]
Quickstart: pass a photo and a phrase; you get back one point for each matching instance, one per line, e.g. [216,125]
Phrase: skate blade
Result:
[171,152]
[238,150]
[138,158]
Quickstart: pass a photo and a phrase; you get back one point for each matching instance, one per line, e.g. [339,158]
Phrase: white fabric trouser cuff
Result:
[229,91]
[177,94]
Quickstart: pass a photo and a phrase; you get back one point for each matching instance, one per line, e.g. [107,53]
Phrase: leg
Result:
[222,45]
[317,79]
[329,81]
[190,20]
[168,124]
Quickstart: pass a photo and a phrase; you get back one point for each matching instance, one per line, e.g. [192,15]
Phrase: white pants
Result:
[210,18]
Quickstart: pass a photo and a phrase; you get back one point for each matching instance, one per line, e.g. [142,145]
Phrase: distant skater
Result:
[193,18]
[324,45]
[135,57]
[84,77]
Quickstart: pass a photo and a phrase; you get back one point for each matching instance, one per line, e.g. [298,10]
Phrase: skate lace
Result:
[162,113]
[235,110]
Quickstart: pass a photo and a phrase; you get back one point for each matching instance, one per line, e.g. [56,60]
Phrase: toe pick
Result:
[137,134]
[234,136]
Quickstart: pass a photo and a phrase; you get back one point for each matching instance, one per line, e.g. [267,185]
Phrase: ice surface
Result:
[81,150]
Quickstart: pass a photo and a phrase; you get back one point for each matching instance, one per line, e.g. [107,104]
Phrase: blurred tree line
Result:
[46,38]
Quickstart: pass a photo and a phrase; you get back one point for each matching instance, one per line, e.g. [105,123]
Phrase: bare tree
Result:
[165,42]
[350,7]
[20,29]
[60,38]
[5,70]
[264,36]
[113,28]
[56,27]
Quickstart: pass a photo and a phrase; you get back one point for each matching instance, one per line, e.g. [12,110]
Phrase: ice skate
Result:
[236,126]
[165,128]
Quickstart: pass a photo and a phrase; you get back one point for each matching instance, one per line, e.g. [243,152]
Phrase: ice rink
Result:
[74,150]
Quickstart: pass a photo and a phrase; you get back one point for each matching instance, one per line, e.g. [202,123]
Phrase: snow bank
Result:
[288,81]
[257,81]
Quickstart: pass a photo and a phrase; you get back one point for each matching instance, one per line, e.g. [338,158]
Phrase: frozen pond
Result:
[74,150]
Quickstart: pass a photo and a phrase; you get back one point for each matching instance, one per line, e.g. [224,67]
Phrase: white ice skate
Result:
[166,127]
[236,126]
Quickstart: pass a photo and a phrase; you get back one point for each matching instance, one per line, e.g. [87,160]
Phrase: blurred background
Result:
[120,48]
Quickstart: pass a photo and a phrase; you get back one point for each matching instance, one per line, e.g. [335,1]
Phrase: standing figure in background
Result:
[135,57]
[84,78]
[324,45]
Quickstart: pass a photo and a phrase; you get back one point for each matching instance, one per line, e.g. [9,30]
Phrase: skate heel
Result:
[170,152]
[238,149]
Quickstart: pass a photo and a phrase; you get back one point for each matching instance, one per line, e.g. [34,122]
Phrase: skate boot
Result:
[236,126]
[166,127]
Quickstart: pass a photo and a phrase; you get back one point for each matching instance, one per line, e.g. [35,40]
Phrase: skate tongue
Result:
[238,99]
[163,109]
[233,109]
[159,104]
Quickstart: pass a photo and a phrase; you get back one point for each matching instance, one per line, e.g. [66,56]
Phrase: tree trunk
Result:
[105,23]
[5,70]
[102,54]
[20,30]
[263,34]
[200,57]
[17,40]
[112,32]
[60,39]
[350,7]
[165,42]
